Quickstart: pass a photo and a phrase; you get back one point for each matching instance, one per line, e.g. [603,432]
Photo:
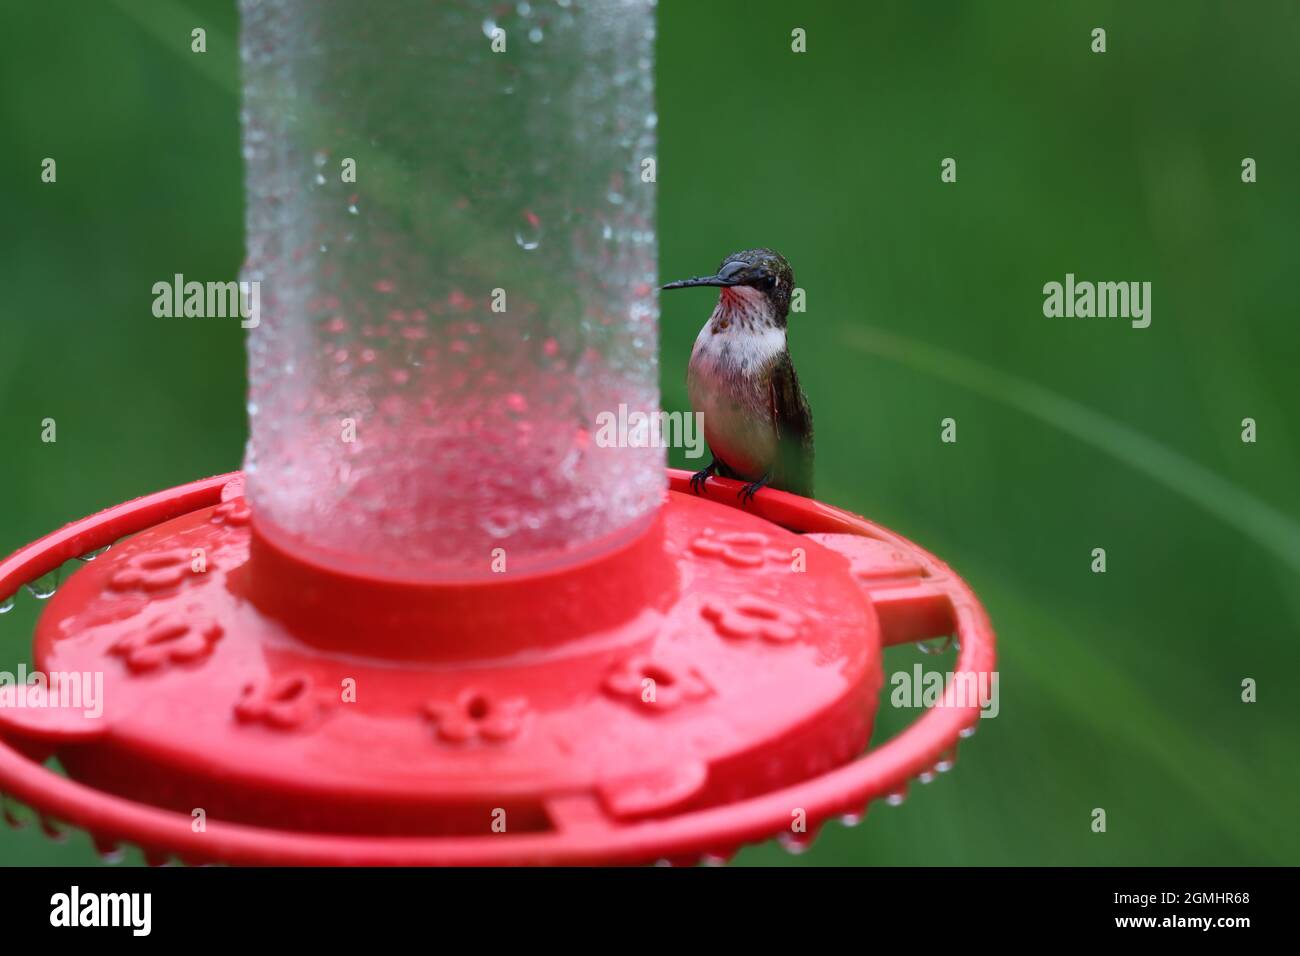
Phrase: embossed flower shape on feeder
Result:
[740,549]
[172,638]
[749,616]
[234,513]
[656,685]
[153,571]
[284,702]
[476,716]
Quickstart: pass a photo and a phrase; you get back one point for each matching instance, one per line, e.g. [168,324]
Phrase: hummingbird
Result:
[742,381]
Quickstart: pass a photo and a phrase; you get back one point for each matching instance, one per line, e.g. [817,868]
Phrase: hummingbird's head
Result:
[754,280]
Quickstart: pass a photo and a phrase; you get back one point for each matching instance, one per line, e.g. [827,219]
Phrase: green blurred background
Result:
[1119,690]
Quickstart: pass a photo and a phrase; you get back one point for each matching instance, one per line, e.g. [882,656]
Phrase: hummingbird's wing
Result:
[794,430]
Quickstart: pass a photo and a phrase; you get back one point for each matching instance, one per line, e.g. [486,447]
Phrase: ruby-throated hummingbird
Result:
[741,379]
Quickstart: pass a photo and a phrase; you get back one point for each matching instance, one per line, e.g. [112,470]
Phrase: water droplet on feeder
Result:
[15,814]
[931,647]
[6,605]
[925,776]
[502,523]
[43,588]
[853,819]
[896,798]
[796,843]
[110,852]
[54,830]
[967,732]
[92,555]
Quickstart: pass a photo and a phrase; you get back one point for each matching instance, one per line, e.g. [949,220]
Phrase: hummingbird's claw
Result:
[747,493]
[700,477]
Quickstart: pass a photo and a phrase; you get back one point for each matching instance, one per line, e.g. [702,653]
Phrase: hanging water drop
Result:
[54,829]
[795,844]
[15,814]
[930,647]
[112,854]
[44,587]
[7,605]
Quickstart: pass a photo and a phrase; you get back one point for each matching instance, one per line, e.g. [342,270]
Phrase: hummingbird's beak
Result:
[701,280]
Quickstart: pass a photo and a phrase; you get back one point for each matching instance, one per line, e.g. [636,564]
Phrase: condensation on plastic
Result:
[438,338]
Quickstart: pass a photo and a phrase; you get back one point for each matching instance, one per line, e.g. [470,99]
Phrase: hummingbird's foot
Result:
[700,477]
[753,488]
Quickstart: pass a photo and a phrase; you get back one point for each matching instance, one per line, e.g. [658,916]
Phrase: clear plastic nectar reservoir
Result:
[455,251]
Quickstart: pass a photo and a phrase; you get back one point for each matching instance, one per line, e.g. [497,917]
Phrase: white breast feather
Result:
[726,384]
[749,342]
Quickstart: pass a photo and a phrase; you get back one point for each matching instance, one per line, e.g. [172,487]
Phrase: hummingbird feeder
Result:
[434,621]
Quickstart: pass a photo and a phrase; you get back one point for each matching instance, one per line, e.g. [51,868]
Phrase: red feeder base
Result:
[705,685]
